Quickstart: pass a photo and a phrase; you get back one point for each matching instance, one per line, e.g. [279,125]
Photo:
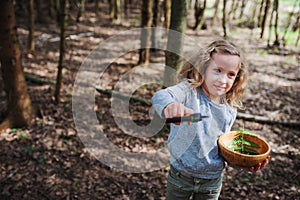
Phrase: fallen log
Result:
[243,116]
[266,120]
[38,80]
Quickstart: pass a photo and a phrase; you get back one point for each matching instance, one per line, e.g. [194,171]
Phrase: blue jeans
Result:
[183,187]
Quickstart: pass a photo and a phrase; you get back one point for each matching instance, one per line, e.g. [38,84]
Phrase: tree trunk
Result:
[20,109]
[31,45]
[231,13]
[97,7]
[118,11]
[155,23]
[289,22]
[167,6]
[253,17]
[81,11]
[276,5]
[270,27]
[57,10]
[126,7]
[298,38]
[52,9]
[216,7]
[242,9]
[263,23]
[297,22]
[111,9]
[146,34]
[178,23]
[115,10]
[199,14]
[224,19]
[259,18]
[62,50]
[296,27]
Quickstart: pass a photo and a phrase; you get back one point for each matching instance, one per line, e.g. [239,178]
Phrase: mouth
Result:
[220,87]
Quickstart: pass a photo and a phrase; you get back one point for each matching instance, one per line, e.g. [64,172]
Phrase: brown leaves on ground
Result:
[49,161]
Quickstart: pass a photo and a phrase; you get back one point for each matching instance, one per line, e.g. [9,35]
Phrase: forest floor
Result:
[48,160]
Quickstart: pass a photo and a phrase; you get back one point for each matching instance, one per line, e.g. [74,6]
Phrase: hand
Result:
[177,110]
[259,166]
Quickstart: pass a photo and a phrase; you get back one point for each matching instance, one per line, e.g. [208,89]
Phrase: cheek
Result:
[229,86]
[210,77]
[208,81]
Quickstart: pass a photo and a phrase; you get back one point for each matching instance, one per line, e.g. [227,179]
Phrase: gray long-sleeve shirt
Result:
[194,148]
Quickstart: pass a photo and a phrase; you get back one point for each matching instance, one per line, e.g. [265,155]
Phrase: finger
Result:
[170,110]
[252,169]
[265,162]
[166,112]
[174,110]
[188,111]
[180,110]
[255,168]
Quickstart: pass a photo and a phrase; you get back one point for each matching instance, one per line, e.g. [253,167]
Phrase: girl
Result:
[214,84]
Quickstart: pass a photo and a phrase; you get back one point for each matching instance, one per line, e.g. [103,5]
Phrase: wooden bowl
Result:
[240,159]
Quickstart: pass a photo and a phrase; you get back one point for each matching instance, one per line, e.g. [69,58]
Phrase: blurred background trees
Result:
[277,21]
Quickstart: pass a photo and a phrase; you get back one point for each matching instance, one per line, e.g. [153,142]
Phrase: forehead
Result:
[226,61]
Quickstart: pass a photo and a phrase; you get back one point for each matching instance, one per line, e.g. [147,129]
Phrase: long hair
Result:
[194,70]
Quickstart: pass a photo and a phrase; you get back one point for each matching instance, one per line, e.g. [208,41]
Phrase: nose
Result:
[222,78]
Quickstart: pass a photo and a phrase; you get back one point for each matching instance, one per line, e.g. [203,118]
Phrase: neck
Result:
[216,99]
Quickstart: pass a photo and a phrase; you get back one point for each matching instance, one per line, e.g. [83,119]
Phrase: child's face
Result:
[220,75]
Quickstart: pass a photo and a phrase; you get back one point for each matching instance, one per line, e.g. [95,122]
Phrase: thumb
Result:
[188,111]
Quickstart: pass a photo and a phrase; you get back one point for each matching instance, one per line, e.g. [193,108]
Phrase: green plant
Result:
[23,136]
[28,149]
[242,145]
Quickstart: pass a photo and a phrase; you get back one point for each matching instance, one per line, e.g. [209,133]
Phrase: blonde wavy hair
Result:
[194,70]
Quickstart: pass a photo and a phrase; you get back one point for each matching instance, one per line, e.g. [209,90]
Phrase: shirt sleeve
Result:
[162,98]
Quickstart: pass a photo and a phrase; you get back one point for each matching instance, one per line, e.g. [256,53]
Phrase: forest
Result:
[77,78]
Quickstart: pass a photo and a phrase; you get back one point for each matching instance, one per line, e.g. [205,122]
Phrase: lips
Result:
[219,87]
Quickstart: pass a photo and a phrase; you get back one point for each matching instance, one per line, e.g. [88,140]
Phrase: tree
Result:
[175,41]
[264,19]
[20,109]
[252,18]
[242,8]
[259,18]
[97,6]
[274,10]
[62,50]
[31,44]
[155,23]
[216,8]
[224,19]
[233,9]
[52,9]
[289,21]
[147,16]
[81,10]
[115,10]
[199,14]
[167,8]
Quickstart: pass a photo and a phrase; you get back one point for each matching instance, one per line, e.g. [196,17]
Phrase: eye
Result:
[217,70]
[231,75]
